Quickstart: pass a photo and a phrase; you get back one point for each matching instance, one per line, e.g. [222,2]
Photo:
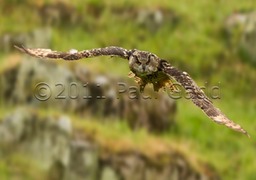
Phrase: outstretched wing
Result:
[159,78]
[198,97]
[76,55]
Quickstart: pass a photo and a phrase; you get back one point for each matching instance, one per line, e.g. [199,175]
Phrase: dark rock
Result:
[84,161]
[155,18]
[120,98]
[59,13]
[248,41]
[240,28]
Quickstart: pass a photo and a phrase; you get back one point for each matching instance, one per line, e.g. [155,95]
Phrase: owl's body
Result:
[147,68]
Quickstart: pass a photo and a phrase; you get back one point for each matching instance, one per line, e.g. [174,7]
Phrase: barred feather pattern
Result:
[199,98]
[73,54]
[149,69]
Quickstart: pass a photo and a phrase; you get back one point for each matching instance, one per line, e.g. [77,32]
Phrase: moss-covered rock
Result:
[64,151]
[240,28]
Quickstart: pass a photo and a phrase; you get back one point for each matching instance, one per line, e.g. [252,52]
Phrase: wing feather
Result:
[196,94]
[74,54]
[199,98]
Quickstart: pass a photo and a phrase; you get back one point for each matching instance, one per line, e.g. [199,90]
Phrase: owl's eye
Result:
[150,58]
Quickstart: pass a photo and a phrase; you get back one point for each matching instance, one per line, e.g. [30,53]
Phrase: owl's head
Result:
[143,62]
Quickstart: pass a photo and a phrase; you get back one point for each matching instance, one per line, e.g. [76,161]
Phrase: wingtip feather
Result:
[247,134]
[20,48]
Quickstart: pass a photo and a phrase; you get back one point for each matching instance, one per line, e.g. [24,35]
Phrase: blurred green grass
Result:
[195,45]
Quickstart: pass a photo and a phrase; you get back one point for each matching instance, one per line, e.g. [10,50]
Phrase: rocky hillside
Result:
[60,150]
[77,89]
[214,41]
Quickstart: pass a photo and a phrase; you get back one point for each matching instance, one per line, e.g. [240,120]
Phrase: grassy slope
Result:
[195,42]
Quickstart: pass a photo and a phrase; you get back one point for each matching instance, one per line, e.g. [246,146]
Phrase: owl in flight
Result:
[146,68]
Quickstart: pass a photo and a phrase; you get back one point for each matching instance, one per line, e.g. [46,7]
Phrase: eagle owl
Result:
[146,68]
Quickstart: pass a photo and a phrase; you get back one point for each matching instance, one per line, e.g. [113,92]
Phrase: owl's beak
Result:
[143,68]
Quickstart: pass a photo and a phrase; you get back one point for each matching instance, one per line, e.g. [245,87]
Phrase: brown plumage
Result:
[147,68]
